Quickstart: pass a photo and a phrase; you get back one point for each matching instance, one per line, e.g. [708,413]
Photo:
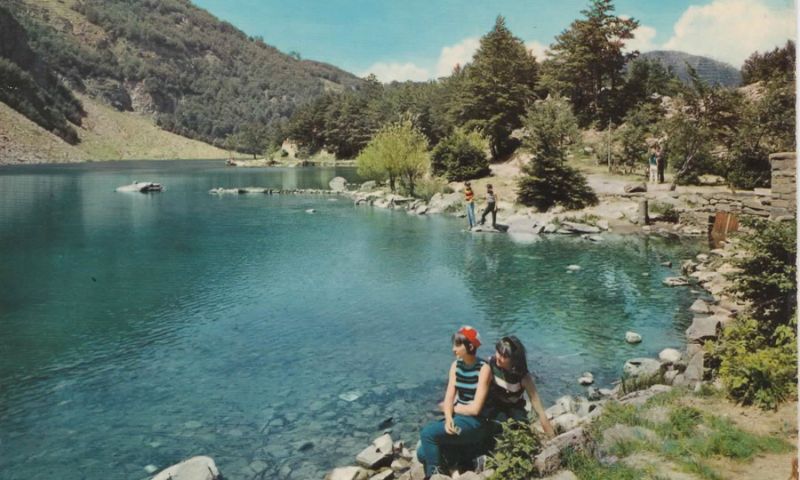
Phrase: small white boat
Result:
[143,187]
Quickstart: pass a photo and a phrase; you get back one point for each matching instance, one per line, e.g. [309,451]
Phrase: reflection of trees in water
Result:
[529,286]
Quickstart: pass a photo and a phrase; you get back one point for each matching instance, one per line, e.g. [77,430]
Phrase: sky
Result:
[424,39]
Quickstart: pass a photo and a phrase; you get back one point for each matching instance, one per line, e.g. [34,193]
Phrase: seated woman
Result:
[511,379]
[465,425]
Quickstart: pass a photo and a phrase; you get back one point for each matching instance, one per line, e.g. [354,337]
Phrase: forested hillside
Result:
[198,76]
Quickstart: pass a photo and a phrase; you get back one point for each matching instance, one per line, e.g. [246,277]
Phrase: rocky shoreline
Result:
[388,459]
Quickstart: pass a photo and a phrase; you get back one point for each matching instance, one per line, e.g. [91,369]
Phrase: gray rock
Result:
[550,228]
[642,367]
[446,202]
[593,394]
[549,460]
[632,337]
[195,468]
[702,257]
[700,306]
[694,371]
[603,224]
[679,380]
[666,264]
[676,281]
[688,267]
[573,268]
[640,397]
[338,184]
[384,475]
[669,376]
[344,473]
[586,379]
[669,355]
[142,187]
[703,328]
[439,476]
[566,422]
[635,187]
[625,433]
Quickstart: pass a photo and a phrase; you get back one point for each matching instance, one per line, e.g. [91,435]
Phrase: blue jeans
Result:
[473,437]
[471,214]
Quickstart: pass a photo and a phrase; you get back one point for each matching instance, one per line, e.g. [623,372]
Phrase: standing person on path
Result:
[510,380]
[469,199]
[661,162]
[653,162]
[465,424]
[491,206]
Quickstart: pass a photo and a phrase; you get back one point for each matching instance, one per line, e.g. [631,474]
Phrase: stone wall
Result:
[784,185]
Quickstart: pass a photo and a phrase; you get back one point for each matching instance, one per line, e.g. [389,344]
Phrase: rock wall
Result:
[784,185]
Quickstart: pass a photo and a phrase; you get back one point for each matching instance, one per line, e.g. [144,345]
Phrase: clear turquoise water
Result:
[140,330]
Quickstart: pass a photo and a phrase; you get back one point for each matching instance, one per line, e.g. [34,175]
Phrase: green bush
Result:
[547,182]
[461,156]
[513,454]
[768,280]
[757,368]
[426,188]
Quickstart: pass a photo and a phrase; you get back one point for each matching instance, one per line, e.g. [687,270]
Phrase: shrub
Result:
[398,152]
[430,186]
[513,454]
[461,156]
[757,368]
[768,277]
[547,182]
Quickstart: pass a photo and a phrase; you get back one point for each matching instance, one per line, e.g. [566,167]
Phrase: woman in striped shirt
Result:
[510,380]
[465,424]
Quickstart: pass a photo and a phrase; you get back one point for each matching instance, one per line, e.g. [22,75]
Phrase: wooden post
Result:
[643,217]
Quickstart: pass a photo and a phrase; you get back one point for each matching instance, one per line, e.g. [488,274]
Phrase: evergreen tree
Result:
[499,85]
[586,63]
[547,180]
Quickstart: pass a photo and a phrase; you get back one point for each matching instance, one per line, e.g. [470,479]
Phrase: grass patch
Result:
[587,218]
[634,384]
[687,438]
[587,467]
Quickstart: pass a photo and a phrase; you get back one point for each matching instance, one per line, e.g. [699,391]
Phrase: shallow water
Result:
[139,330]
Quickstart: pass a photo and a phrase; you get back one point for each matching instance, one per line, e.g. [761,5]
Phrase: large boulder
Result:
[338,184]
[195,468]
[642,367]
[549,460]
[703,328]
[449,202]
[378,454]
[669,355]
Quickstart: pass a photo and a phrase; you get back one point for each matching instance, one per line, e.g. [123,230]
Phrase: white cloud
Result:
[537,48]
[642,39]
[388,72]
[730,30]
[458,54]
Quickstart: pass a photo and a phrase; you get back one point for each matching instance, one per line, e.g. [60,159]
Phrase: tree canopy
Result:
[498,86]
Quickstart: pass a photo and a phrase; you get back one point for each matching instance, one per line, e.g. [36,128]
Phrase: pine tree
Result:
[499,85]
[586,63]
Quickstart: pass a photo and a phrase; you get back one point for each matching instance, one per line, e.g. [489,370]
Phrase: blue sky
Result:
[422,39]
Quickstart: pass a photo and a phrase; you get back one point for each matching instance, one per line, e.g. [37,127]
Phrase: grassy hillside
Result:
[106,134]
[194,74]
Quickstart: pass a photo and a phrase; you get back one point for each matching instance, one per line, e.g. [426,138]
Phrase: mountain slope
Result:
[196,75]
[709,70]
[105,134]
